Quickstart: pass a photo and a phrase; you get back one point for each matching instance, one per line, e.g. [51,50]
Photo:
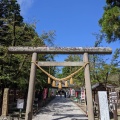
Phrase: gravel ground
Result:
[61,109]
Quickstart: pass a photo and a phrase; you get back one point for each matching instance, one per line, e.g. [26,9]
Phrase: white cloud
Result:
[25,5]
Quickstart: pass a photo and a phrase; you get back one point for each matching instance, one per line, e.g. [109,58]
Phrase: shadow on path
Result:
[71,115]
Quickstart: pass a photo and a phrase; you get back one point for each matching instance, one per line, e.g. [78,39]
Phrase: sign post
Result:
[20,105]
[113,100]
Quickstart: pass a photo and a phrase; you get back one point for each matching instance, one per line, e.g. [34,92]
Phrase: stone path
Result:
[61,109]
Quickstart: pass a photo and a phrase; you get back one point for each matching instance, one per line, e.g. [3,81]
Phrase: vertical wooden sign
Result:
[103,104]
[5,102]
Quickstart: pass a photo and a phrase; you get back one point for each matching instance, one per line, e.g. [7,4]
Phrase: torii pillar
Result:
[30,98]
[88,88]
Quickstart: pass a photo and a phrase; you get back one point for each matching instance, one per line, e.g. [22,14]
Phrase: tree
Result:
[110,24]
[115,58]
[101,71]
[14,69]
[79,77]
[110,21]
[9,18]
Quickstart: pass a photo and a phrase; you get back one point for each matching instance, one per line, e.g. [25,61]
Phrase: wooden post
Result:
[88,89]
[30,97]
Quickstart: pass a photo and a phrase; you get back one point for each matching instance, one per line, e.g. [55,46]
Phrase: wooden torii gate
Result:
[59,50]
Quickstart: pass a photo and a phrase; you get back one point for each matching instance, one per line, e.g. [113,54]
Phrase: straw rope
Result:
[60,79]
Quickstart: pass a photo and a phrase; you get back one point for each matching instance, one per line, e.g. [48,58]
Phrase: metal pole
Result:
[30,97]
[88,89]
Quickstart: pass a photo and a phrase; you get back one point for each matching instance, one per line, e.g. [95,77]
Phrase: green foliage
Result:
[79,77]
[9,18]
[110,21]
[14,68]
[115,58]
[100,70]
[48,37]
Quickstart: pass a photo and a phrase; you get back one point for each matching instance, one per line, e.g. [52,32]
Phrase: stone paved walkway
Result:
[61,109]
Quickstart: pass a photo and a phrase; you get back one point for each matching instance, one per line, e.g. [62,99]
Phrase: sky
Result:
[74,21]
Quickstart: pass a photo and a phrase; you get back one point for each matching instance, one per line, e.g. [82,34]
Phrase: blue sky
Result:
[74,21]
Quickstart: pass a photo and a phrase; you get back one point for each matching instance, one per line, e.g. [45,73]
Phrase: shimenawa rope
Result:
[60,79]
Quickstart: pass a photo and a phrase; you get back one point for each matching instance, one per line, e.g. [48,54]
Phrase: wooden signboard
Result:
[5,102]
[113,98]
[103,104]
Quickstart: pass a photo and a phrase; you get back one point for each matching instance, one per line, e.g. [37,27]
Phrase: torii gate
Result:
[59,50]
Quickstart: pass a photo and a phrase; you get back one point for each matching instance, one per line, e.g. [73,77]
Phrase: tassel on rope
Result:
[49,81]
[66,83]
[71,81]
[53,83]
[60,85]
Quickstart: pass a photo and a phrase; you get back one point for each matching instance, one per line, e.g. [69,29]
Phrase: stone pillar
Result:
[5,102]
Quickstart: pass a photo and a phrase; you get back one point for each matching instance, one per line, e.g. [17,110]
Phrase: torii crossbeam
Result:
[60,50]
